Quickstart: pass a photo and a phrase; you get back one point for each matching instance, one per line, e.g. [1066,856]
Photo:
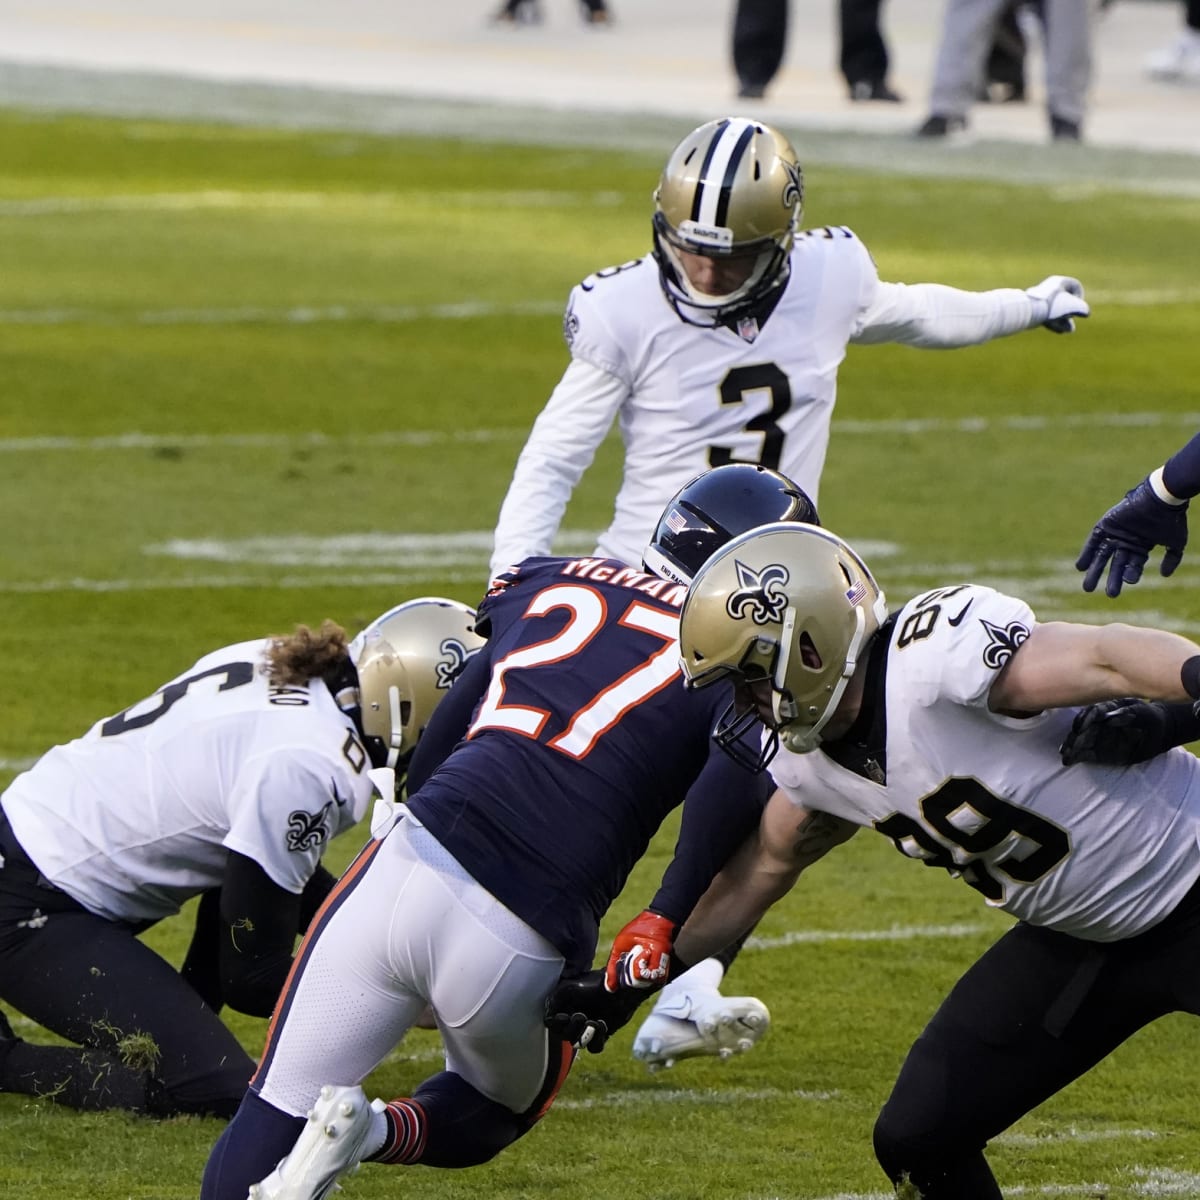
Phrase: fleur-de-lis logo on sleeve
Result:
[1003,642]
[306,830]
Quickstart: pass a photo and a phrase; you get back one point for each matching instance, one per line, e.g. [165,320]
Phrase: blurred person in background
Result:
[960,69]
[227,783]
[863,53]
[759,40]
[1179,62]
[529,12]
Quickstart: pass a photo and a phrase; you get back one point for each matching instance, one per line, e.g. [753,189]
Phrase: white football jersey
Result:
[140,813]
[1097,852]
[688,398]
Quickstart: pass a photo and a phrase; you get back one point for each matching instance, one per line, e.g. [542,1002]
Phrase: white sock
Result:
[374,1141]
[704,976]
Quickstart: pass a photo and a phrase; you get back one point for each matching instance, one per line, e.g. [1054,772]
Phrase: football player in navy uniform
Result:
[940,726]
[723,345]
[538,785]
[226,784]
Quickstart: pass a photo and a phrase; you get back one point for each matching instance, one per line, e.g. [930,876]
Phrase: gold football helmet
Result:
[787,607]
[405,662]
[731,190]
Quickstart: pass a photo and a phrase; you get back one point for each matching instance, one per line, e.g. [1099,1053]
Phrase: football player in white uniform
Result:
[227,784]
[722,345]
[943,727]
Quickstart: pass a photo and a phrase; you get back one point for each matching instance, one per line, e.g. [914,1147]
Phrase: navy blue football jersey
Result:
[582,738]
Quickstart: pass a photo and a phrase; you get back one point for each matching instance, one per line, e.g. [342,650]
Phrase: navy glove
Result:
[1127,533]
[584,1012]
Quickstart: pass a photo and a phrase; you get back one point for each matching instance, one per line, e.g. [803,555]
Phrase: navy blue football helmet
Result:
[716,506]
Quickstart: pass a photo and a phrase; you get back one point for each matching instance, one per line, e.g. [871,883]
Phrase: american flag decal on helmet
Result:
[857,594]
[676,520]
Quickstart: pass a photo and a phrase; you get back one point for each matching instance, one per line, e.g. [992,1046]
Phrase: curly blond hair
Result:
[294,659]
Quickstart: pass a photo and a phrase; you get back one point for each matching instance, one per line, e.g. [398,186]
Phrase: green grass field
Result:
[254,377]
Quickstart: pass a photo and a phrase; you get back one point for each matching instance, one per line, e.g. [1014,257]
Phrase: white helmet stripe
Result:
[711,203]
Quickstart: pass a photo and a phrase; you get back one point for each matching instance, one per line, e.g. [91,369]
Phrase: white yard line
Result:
[897,933]
[383,314]
[642,1097]
[1015,423]
[1145,1181]
[386,314]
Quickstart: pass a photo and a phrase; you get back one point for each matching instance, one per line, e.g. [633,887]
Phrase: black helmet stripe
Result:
[714,190]
[704,166]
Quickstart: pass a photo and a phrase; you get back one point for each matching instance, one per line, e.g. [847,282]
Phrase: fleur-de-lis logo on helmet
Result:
[793,190]
[450,665]
[760,595]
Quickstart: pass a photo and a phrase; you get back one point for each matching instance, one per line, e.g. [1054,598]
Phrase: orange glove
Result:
[641,953]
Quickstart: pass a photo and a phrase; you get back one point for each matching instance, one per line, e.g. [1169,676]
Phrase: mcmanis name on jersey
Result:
[610,570]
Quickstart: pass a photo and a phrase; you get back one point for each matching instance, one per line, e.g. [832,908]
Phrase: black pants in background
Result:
[759,37]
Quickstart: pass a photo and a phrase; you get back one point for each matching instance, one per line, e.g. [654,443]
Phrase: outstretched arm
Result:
[932,316]
[1152,514]
[789,839]
[1063,664]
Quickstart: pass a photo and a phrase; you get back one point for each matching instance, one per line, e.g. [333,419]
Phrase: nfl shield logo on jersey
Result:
[747,329]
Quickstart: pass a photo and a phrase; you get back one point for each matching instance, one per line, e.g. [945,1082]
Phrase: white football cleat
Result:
[329,1146]
[694,1022]
[1178,62]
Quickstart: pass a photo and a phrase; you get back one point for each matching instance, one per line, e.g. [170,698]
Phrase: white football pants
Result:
[406,926]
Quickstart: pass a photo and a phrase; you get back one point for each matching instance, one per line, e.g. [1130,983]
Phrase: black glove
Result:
[584,1012]
[1118,733]
[1127,533]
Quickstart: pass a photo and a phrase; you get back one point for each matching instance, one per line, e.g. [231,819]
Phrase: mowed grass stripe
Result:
[252,200]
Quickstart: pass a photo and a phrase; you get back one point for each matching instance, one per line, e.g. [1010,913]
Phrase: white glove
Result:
[1056,301]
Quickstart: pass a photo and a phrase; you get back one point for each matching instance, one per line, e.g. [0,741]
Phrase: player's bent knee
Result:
[214,1095]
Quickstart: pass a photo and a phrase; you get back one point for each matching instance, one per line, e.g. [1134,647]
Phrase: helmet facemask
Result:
[766,267]
[785,611]
[404,663]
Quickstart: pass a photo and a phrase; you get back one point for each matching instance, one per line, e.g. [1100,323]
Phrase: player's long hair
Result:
[294,659]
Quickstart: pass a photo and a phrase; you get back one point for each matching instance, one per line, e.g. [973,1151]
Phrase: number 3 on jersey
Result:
[740,384]
[587,616]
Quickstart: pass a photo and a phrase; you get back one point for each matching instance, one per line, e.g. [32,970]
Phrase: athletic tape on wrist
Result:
[1159,488]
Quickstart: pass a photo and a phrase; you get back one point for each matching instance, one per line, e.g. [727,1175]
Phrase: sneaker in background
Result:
[1178,62]
[938,126]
